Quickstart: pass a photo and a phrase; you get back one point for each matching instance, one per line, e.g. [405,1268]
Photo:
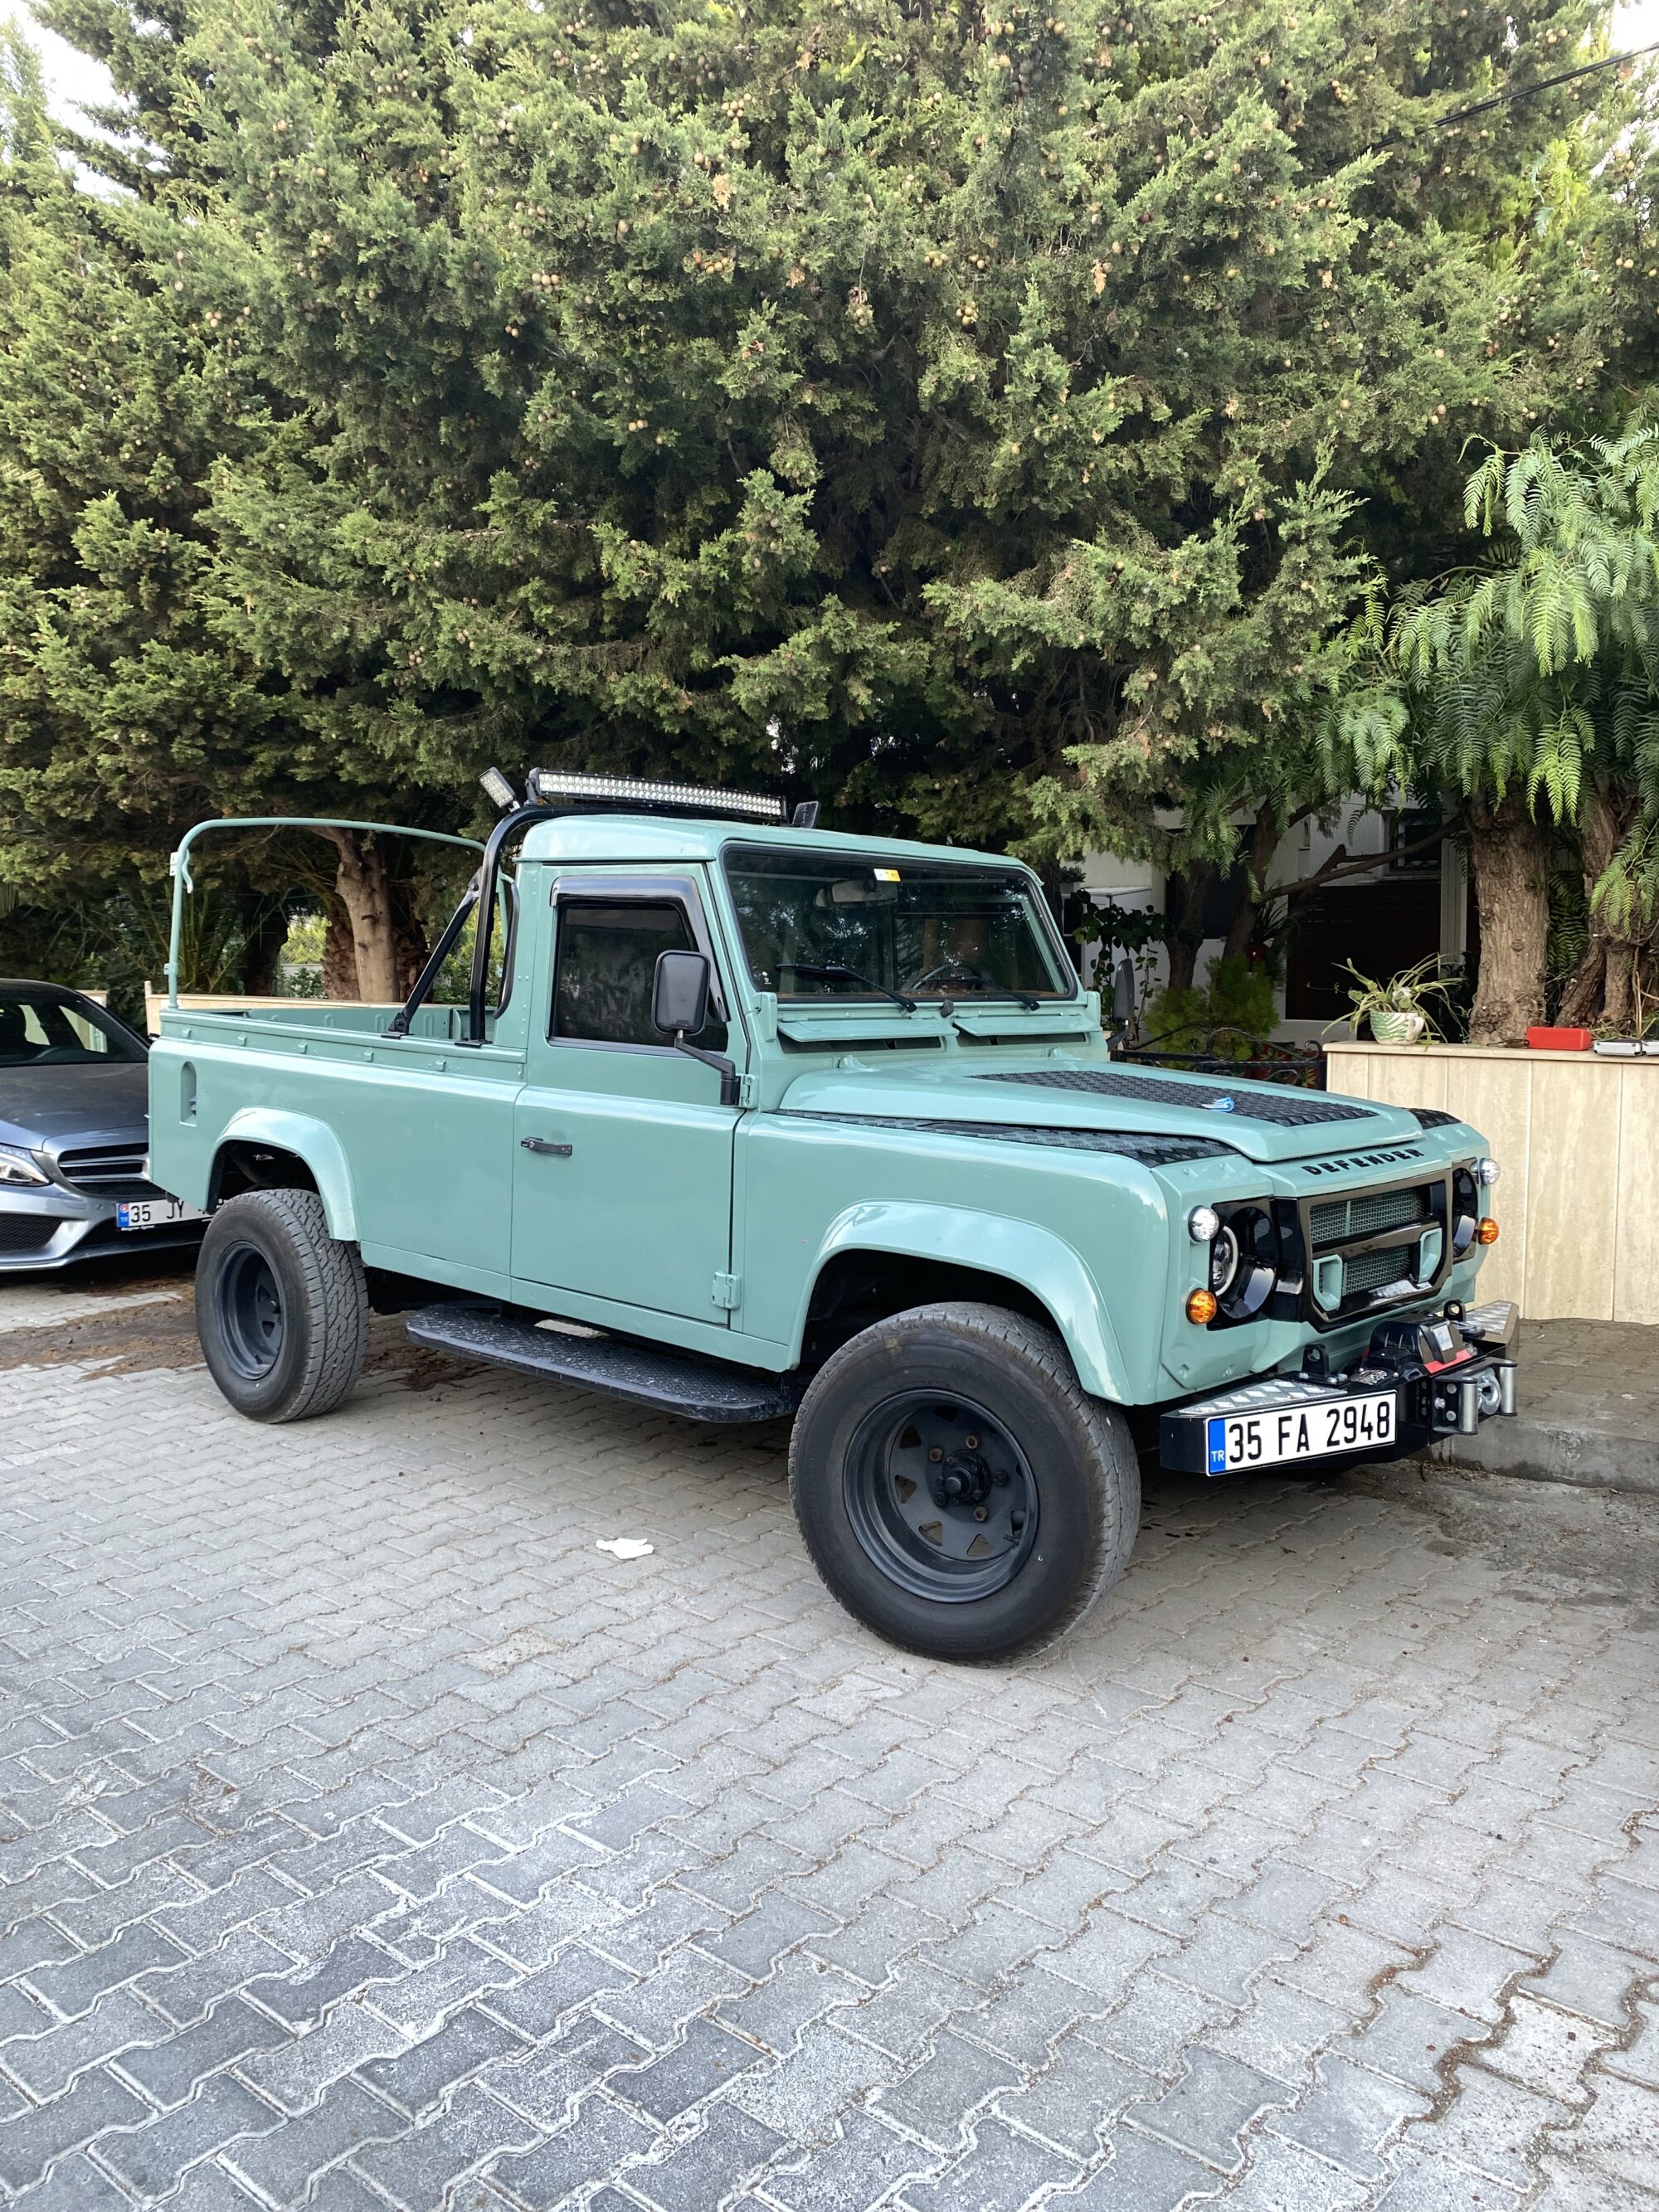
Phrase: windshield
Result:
[42,1028]
[826,925]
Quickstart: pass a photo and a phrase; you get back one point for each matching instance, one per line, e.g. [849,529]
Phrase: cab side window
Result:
[605,969]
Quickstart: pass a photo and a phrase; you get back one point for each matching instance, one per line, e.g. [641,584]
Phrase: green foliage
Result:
[986,422]
[1540,669]
[1229,1015]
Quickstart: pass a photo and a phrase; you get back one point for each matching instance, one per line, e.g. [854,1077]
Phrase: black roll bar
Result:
[440,951]
[510,826]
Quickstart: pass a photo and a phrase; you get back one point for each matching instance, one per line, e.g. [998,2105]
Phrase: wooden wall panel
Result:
[1576,1135]
[1497,1100]
[1573,1181]
[1635,1263]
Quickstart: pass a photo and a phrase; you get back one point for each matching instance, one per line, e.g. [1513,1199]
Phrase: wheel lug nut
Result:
[1001,1479]
[979,1513]
[971,1442]
[936,1455]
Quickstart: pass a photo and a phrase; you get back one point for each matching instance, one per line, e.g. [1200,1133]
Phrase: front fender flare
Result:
[310,1141]
[991,1244]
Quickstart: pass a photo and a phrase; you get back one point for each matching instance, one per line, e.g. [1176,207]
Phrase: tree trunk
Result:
[412,945]
[1605,980]
[1188,932]
[339,962]
[364,890]
[1510,857]
[1581,998]
[1599,838]
[1264,844]
[265,931]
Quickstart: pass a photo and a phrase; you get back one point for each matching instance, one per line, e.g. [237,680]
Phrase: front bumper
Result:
[57,1228]
[1416,1381]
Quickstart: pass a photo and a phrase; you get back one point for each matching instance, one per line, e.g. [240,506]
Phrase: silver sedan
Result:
[75,1134]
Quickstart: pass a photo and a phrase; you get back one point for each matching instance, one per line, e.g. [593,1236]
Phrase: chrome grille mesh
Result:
[1369,1271]
[1336,1220]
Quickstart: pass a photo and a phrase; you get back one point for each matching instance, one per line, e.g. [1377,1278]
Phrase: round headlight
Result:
[1252,1256]
[1202,1223]
[1487,1172]
[1224,1261]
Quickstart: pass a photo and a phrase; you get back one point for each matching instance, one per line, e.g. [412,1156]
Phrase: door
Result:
[622,1177]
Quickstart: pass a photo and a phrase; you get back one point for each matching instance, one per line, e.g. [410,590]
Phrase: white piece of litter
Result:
[625,1547]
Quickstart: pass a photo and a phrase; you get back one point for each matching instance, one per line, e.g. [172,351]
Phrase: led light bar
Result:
[552,786]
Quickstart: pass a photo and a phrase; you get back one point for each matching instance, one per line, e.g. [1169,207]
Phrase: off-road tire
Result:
[1081,1465]
[272,1246]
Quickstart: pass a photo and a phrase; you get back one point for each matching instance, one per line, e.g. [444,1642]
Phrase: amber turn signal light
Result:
[1200,1307]
[1487,1233]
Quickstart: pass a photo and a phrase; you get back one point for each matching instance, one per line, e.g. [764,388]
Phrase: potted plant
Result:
[1398,1009]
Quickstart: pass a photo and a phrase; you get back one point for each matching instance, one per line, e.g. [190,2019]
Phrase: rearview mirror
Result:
[679,997]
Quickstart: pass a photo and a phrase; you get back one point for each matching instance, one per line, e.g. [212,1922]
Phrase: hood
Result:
[74,1104]
[1264,1122]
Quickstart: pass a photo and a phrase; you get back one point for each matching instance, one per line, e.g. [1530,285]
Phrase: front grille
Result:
[26,1232]
[1413,1215]
[1368,1271]
[1339,1220]
[111,1171]
[1286,1110]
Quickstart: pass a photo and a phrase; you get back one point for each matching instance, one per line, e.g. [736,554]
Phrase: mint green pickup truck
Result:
[748,1121]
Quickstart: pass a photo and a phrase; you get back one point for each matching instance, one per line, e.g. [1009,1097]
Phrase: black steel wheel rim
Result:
[940,1496]
[250,1302]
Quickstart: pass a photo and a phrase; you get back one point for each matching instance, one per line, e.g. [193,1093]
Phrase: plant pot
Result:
[1397,1028]
[1546,1039]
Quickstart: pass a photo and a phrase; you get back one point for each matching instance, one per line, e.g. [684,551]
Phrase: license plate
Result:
[1235,1441]
[155,1212]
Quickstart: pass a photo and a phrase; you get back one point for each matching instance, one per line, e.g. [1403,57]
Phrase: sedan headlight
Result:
[16,1167]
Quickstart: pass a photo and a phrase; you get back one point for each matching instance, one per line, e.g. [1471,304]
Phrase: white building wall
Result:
[1138,885]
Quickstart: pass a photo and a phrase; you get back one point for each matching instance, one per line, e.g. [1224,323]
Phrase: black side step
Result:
[672,1382]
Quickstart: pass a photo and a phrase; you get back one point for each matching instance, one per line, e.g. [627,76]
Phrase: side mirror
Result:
[1123,992]
[679,996]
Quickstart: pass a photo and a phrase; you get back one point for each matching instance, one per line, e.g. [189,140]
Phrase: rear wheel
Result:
[282,1309]
[958,1489]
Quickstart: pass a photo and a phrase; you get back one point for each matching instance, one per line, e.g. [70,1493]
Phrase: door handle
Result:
[546,1144]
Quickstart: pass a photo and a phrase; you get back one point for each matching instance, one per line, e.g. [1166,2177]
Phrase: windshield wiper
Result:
[959,972]
[832,971]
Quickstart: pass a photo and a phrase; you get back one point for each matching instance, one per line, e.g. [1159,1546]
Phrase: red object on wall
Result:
[1548,1040]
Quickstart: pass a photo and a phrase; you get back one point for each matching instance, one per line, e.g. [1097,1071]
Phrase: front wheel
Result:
[959,1491]
[282,1309]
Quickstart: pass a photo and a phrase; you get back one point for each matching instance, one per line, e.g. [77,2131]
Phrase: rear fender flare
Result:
[310,1141]
[993,1244]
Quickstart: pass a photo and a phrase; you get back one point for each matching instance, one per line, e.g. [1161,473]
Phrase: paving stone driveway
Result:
[367,1838]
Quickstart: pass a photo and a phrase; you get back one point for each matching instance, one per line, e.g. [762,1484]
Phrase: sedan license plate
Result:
[155,1212]
[1235,1442]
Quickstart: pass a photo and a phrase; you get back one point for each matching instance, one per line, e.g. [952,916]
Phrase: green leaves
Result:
[1015,410]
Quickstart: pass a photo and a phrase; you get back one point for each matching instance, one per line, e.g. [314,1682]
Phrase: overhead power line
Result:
[1542,84]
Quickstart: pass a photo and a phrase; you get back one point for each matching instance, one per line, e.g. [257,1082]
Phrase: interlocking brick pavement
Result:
[368,1840]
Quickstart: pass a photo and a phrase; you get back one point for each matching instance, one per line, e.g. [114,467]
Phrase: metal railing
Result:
[1224,1050]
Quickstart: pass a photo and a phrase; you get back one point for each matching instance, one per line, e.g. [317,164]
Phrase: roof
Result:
[627,838]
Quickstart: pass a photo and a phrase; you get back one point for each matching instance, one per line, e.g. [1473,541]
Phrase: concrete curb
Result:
[1590,1411]
[1552,1451]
